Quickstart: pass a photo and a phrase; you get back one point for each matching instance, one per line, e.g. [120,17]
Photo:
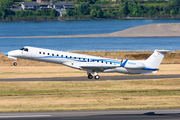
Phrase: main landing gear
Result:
[95,77]
[90,76]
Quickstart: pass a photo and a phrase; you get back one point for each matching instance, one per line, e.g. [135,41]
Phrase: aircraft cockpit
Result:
[24,49]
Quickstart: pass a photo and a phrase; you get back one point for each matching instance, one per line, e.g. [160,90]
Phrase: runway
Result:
[103,78]
[148,114]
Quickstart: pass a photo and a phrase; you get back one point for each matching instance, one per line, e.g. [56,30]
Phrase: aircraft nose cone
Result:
[6,54]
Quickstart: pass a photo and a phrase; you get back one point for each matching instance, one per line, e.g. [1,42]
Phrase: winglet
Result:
[122,65]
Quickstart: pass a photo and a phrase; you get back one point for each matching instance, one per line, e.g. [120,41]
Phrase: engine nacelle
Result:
[134,65]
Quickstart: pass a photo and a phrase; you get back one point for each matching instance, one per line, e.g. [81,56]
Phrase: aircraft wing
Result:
[102,67]
[99,68]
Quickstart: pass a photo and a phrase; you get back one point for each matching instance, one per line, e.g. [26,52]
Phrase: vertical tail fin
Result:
[155,59]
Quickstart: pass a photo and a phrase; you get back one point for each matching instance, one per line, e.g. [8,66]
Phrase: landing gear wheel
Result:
[97,77]
[90,76]
[14,63]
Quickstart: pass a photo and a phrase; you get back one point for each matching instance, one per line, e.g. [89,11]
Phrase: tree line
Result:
[127,8]
[6,13]
[88,9]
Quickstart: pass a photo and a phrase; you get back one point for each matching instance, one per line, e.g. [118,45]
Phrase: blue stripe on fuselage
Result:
[81,59]
[146,68]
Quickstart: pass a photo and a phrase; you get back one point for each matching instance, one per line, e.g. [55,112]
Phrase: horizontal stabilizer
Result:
[163,51]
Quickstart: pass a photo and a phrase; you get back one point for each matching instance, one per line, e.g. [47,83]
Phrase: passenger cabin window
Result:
[57,55]
[74,57]
[102,61]
[83,58]
[97,60]
[61,55]
[48,53]
[79,58]
[66,56]
[39,52]
[52,54]
[44,53]
[70,57]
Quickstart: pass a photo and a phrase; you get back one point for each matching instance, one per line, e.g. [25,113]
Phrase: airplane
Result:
[91,64]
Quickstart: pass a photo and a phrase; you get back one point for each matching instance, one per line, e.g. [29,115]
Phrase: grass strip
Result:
[92,95]
[57,92]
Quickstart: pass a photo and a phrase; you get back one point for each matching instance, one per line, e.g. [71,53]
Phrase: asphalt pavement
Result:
[102,78]
[145,114]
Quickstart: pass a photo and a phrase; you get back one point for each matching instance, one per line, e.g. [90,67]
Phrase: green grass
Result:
[89,95]
[22,92]
[114,87]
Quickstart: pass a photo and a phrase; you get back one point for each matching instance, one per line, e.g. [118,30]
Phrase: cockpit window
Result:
[25,49]
[22,49]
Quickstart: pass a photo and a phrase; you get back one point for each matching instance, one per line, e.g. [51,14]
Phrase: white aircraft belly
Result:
[118,69]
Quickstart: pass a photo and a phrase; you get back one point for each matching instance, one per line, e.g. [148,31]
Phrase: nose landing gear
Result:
[15,63]
[15,59]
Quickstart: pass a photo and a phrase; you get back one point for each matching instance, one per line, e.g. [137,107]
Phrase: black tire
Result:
[14,63]
[97,77]
[90,76]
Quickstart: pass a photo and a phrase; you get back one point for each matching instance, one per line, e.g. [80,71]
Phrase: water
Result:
[50,28]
